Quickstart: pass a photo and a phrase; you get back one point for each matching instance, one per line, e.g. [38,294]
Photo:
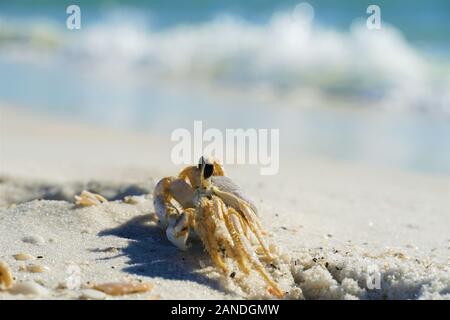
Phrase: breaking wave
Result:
[283,58]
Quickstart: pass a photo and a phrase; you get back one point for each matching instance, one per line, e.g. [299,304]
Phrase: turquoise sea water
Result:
[422,22]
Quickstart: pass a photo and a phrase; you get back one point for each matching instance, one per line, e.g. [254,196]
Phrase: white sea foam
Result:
[283,56]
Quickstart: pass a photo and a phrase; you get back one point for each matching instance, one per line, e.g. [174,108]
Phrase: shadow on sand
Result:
[152,255]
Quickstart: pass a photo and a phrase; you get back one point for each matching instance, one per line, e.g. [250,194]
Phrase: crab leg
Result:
[206,230]
[246,248]
[228,238]
[249,215]
[232,201]
[255,226]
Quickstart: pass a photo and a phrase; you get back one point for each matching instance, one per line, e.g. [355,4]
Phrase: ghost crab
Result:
[202,200]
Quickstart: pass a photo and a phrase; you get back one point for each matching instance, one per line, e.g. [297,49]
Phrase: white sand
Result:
[340,223]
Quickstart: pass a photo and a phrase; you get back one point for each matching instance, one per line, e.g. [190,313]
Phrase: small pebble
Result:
[29,288]
[34,268]
[122,288]
[34,239]
[87,199]
[92,294]
[134,199]
[6,278]
[23,257]
[400,255]
[68,284]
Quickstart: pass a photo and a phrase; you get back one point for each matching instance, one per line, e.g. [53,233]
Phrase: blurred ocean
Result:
[334,87]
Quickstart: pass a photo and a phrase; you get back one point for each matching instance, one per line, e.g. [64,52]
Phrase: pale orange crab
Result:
[202,200]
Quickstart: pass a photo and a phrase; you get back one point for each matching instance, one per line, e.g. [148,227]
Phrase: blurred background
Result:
[335,88]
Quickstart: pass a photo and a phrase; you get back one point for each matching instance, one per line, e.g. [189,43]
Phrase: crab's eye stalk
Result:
[206,166]
[208,171]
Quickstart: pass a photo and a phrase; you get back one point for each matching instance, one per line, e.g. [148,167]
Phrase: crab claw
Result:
[178,231]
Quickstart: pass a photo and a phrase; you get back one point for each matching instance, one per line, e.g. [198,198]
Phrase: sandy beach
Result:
[342,226]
